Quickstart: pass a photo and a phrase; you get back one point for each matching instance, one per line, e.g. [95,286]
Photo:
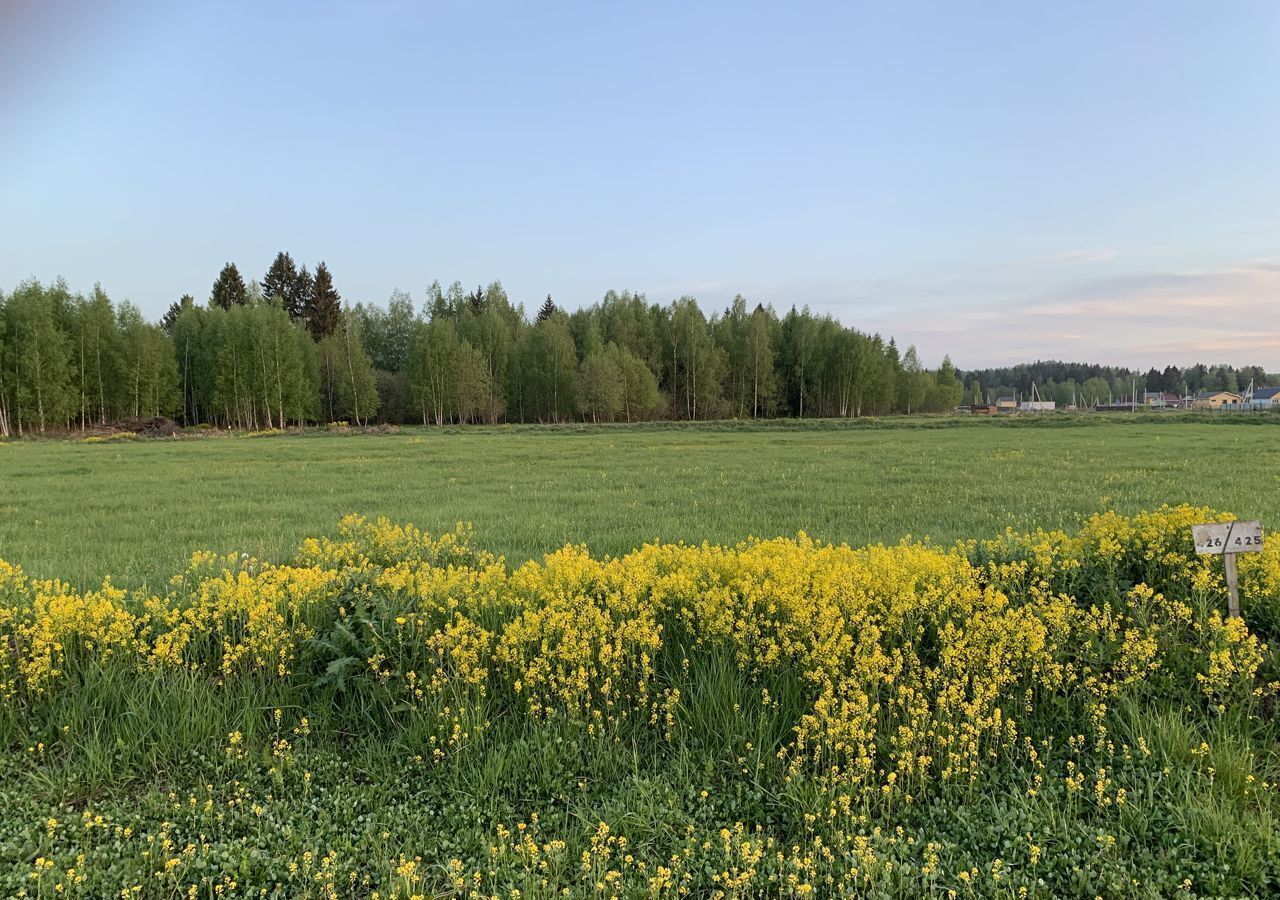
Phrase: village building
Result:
[1215,400]
[1162,400]
[1264,398]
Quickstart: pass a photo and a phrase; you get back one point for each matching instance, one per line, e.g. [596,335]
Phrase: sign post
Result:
[1226,539]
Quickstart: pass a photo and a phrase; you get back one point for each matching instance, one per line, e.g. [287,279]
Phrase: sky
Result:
[997,181]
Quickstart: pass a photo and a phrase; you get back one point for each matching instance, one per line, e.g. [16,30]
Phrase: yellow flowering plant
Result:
[848,685]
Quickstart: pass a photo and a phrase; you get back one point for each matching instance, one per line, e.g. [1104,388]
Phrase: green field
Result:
[401,717]
[137,510]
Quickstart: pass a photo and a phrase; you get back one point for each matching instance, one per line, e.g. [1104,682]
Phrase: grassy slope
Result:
[135,511]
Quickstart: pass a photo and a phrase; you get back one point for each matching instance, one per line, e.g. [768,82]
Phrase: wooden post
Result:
[1233,589]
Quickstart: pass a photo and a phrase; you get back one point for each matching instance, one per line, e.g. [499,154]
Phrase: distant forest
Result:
[1092,385]
[286,350]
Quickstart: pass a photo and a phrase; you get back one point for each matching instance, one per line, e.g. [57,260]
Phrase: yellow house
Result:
[1214,399]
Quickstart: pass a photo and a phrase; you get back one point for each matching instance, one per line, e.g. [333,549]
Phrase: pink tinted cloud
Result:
[1224,315]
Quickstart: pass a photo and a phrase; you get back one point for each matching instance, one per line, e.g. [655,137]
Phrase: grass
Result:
[136,510]
[507,731]
[173,781]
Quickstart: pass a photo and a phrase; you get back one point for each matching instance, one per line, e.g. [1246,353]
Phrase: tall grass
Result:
[406,714]
[136,511]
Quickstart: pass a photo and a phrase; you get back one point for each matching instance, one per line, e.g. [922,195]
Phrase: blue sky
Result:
[997,181]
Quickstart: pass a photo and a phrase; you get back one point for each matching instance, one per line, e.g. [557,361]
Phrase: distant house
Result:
[1215,400]
[1006,404]
[1037,406]
[1161,400]
[1265,398]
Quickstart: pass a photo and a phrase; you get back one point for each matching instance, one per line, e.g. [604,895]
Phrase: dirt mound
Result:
[156,426]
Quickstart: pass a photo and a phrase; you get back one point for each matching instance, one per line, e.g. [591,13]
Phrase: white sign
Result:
[1228,537]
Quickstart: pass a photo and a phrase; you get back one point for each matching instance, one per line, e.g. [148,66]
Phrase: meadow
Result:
[137,510]
[1044,699]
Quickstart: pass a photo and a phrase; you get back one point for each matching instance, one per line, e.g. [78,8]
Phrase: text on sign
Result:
[1227,537]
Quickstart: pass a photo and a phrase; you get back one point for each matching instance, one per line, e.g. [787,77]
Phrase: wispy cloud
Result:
[1149,319]
[993,316]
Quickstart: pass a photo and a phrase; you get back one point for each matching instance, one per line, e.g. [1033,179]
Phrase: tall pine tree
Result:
[280,282]
[300,296]
[175,309]
[324,305]
[229,289]
[548,309]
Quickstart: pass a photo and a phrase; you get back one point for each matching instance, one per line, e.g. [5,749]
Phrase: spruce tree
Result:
[229,289]
[548,310]
[280,282]
[324,306]
[300,294]
[175,309]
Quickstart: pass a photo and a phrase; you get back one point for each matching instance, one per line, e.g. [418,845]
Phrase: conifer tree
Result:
[280,282]
[324,306]
[547,310]
[300,299]
[175,309]
[229,289]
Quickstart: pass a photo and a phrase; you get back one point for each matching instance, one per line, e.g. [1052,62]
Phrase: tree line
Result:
[285,350]
[474,356]
[1086,384]
[74,361]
